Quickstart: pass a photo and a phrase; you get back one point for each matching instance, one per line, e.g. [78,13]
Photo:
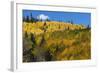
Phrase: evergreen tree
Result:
[32,18]
[48,56]
[26,35]
[88,27]
[27,19]
[42,41]
[24,19]
[47,20]
[32,39]
[72,22]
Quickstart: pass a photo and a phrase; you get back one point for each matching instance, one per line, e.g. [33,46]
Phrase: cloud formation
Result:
[42,17]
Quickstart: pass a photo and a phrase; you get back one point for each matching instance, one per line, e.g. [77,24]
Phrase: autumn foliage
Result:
[55,41]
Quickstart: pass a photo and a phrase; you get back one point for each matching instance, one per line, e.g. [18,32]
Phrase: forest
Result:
[55,40]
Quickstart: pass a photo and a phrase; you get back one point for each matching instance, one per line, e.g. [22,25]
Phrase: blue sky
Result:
[76,17]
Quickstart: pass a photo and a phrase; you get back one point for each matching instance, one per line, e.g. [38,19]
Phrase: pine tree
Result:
[72,22]
[24,19]
[26,35]
[32,39]
[31,18]
[88,27]
[48,56]
[27,19]
[42,41]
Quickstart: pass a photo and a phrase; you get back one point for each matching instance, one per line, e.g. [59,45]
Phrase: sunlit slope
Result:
[55,41]
[74,45]
[38,27]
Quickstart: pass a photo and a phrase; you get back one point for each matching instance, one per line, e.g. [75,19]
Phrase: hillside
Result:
[55,41]
[38,27]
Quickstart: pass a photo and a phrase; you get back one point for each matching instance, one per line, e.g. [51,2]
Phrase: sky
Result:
[76,17]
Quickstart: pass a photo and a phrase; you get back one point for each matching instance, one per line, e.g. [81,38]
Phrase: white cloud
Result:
[42,17]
